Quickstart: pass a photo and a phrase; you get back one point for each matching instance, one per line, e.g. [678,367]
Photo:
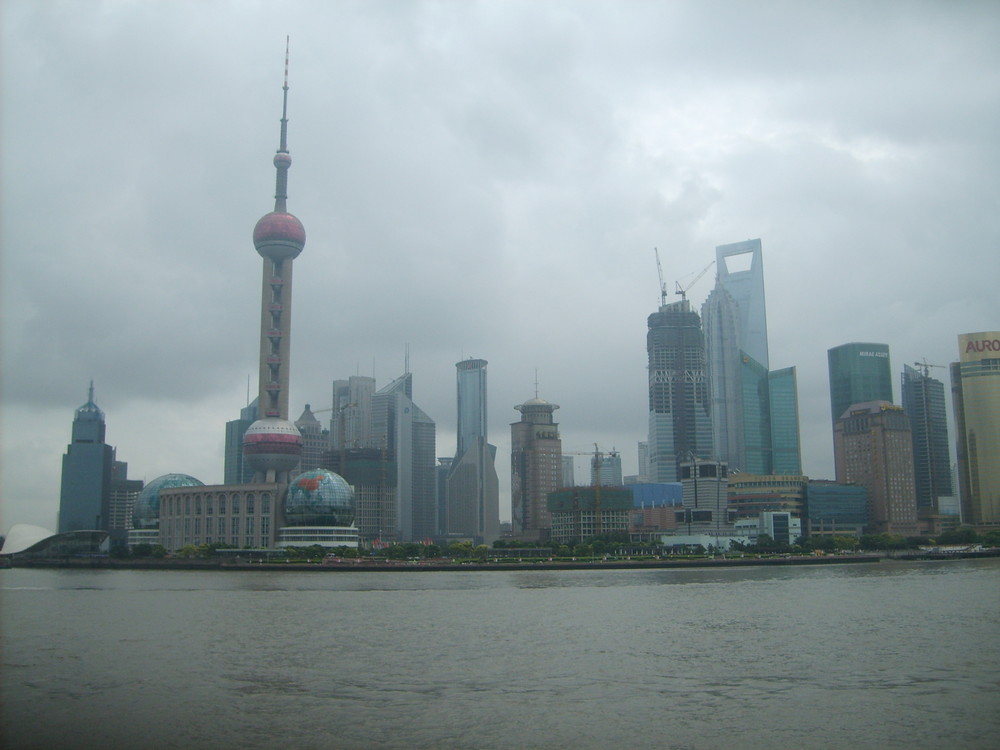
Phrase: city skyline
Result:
[872,193]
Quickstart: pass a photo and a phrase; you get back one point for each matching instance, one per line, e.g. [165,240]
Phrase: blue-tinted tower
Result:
[85,494]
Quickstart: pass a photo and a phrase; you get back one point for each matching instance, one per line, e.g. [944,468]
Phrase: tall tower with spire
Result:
[272,445]
[84,499]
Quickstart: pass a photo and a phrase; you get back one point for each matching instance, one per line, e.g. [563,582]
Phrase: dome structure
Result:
[146,512]
[319,498]
[272,443]
[279,235]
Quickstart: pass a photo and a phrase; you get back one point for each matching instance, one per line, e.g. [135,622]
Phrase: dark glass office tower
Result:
[859,372]
[924,403]
[85,495]
[786,450]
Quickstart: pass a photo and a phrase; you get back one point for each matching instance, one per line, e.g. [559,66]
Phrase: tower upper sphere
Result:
[279,235]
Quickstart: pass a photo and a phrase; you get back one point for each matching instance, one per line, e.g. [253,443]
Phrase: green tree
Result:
[460,549]
[961,535]
[845,542]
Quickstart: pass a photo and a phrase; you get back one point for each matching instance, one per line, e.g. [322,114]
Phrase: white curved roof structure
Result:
[23,535]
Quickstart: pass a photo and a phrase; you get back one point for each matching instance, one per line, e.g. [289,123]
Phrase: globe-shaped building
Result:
[146,511]
[319,498]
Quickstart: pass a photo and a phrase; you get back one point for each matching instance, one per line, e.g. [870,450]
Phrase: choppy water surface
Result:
[890,655]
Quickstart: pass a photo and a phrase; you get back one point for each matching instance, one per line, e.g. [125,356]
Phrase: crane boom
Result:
[926,367]
[659,272]
[682,290]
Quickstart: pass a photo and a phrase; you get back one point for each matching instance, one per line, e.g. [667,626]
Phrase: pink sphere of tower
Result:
[279,235]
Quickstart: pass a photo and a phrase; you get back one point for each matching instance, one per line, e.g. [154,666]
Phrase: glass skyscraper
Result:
[924,404]
[859,372]
[735,324]
[473,494]
[786,449]
[85,494]
[680,424]
[236,470]
[756,407]
[408,436]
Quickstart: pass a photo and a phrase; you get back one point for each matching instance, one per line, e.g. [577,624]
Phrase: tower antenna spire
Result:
[282,161]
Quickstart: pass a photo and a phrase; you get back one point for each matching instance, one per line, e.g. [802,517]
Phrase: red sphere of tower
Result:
[279,236]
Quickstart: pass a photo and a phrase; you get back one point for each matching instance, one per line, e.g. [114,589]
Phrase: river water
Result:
[885,655]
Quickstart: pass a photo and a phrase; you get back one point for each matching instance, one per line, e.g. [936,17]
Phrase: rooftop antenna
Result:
[536,382]
[406,359]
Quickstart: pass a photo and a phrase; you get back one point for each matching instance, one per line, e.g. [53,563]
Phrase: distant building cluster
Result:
[721,461]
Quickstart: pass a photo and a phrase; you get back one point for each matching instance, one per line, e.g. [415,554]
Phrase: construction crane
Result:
[597,459]
[683,290]
[927,367]
[659,272]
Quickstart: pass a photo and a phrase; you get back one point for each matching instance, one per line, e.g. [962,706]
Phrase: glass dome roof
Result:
[319,498]
[146,513]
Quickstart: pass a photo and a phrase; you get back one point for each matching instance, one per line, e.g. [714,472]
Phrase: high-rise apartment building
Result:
[535,468]
[680,423]
[473,487]
[408,437]
[859,373]
[924,403]
[873,448]
[975,384]
[85,495]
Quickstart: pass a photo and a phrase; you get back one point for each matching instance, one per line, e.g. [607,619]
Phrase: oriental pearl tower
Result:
[272,445]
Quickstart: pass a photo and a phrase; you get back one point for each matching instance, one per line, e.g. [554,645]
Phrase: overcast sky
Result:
[483,179]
